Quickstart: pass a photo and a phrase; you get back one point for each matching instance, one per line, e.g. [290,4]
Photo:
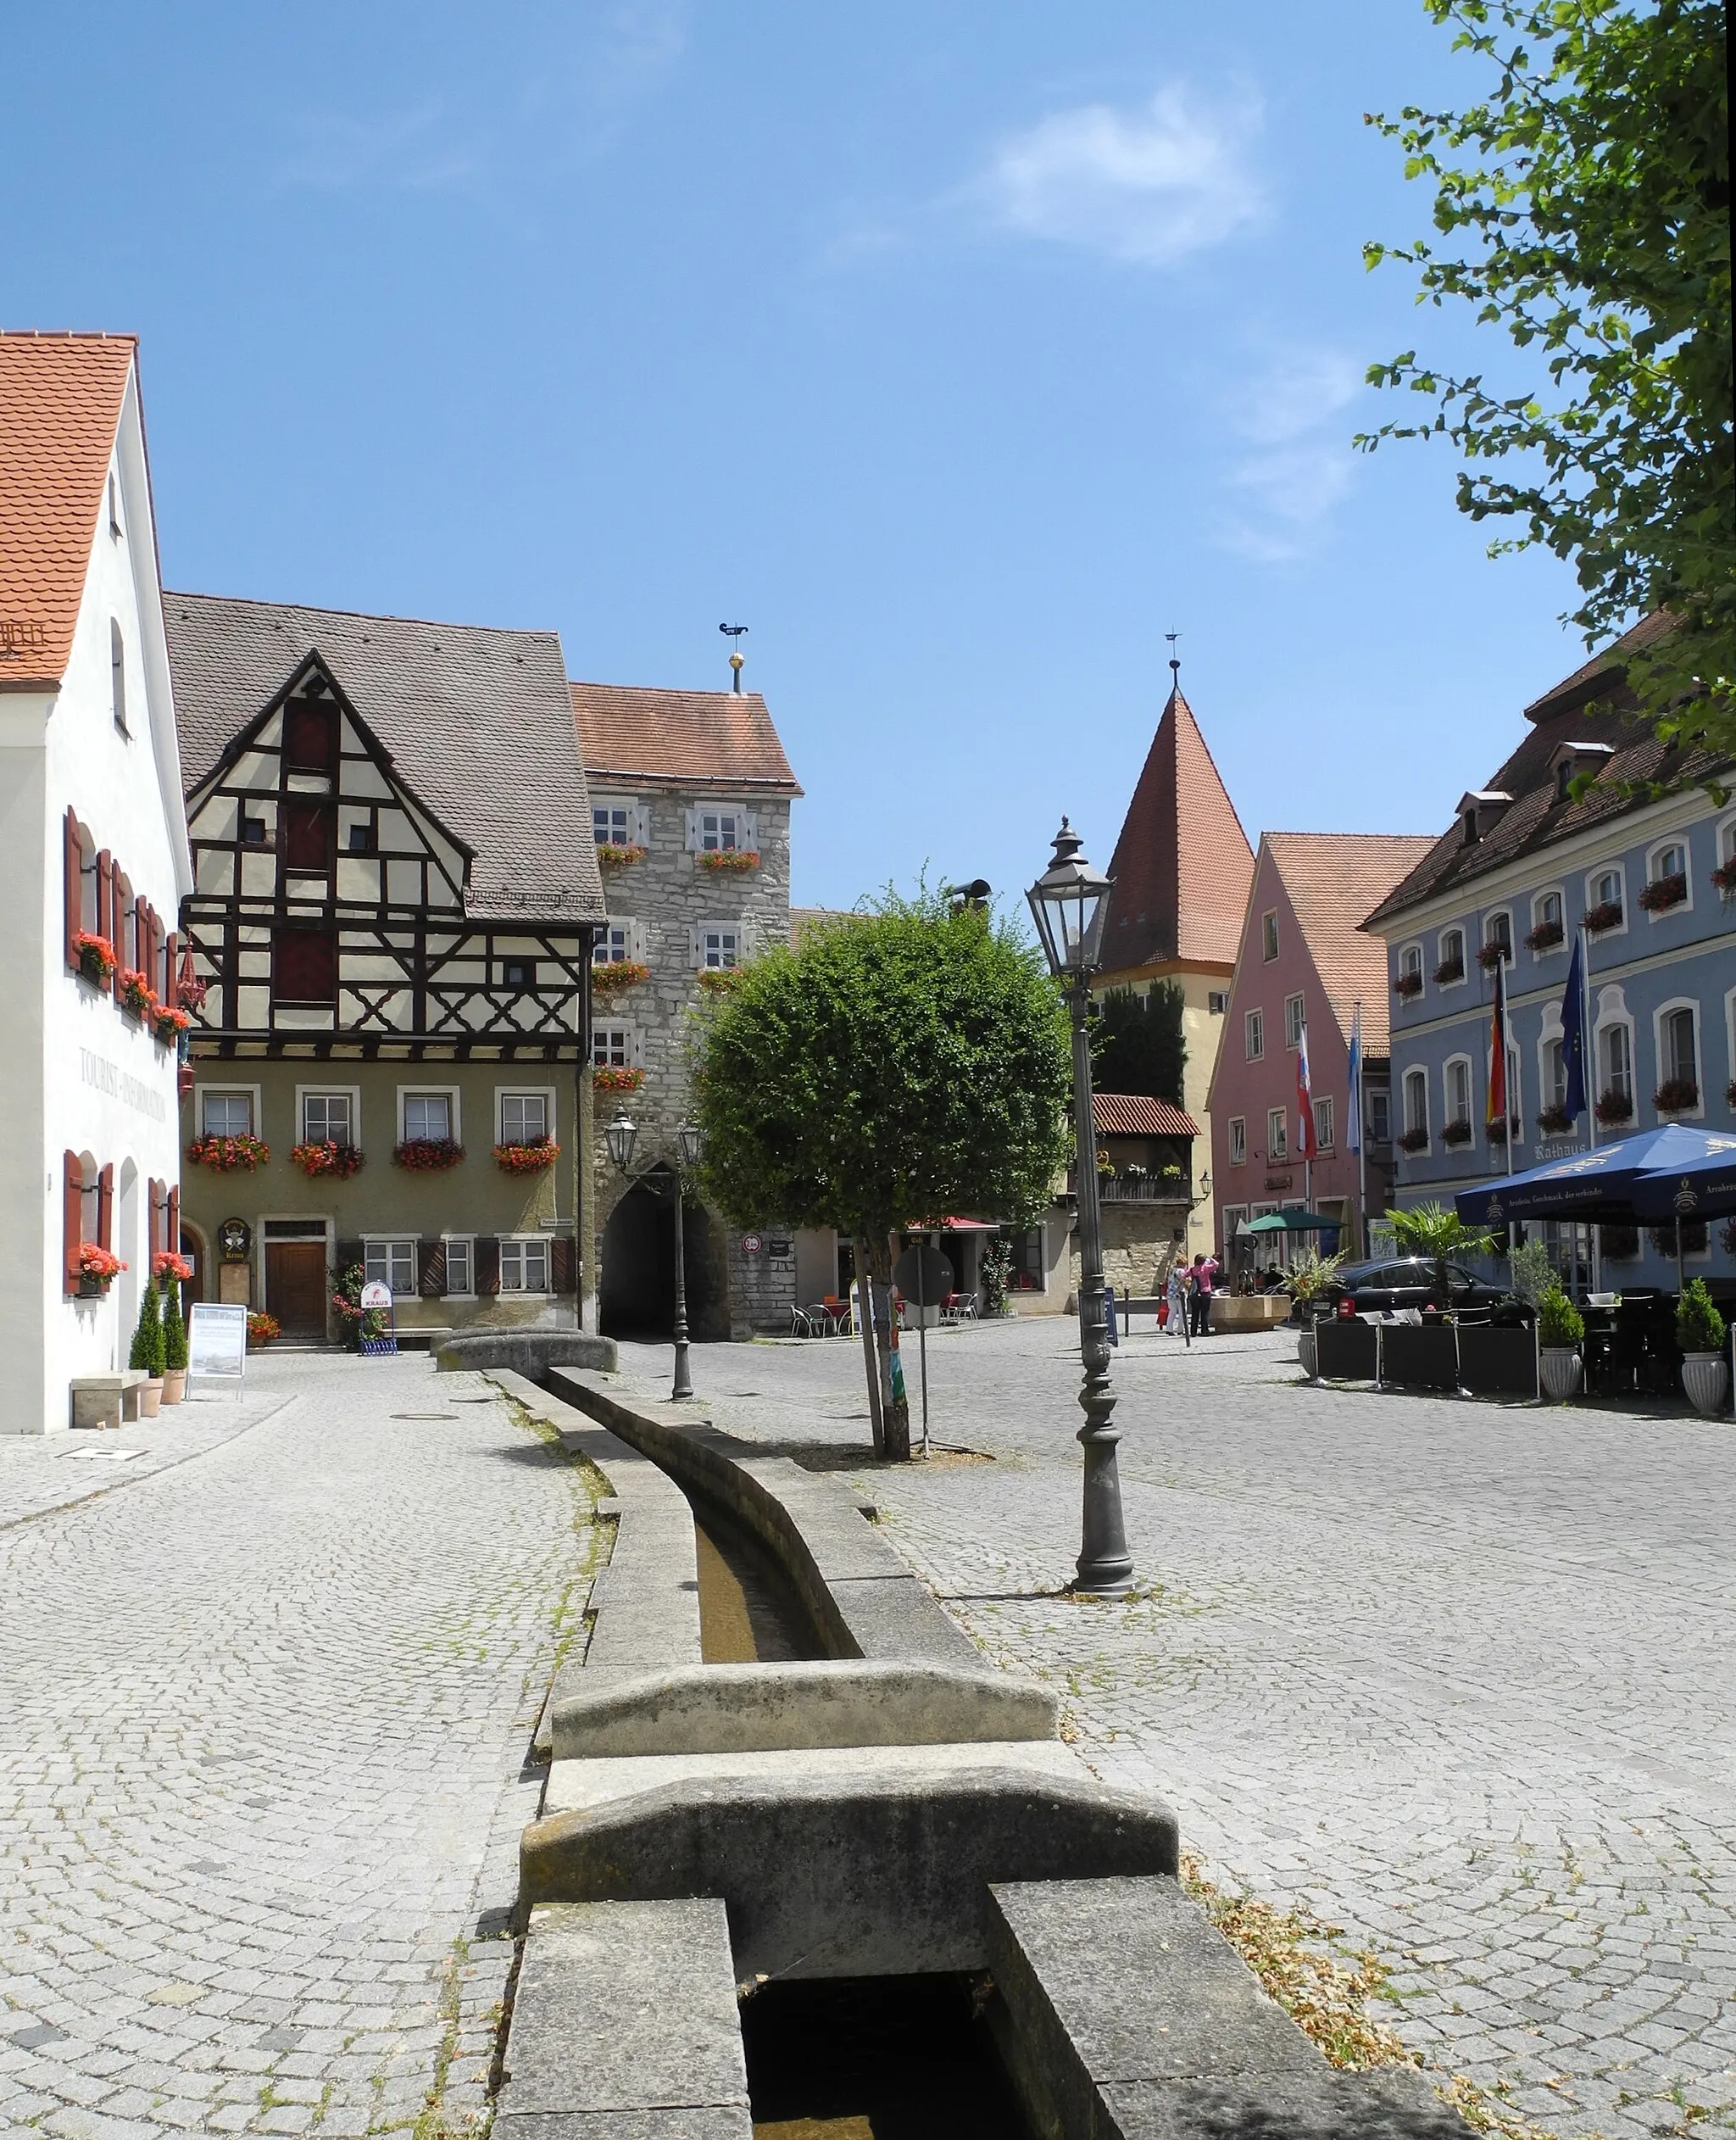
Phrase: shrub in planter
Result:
[729,861]
[427,1155]
[1554,1121]
[137,996]
[224,1154]
[1676,1096]
[609,979]
[1559,1322]
[1458,1133]
[527,1159]
[341,1161]
[1699,1328]
[262,1328]
[614,854]
[1533,1274]
[1664,892]
[611,1078]
[1449,970]
[148,1351]
[1607,914]
[1408,984]
[1613,1106]
[1544,937]
[174,1344]
[354,1322]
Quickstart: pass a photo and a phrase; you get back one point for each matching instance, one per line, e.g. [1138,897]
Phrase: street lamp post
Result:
[1070,902]
[621,1136]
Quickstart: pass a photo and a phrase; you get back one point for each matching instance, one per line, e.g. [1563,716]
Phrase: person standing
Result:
[1205,1270]
[1177,1300]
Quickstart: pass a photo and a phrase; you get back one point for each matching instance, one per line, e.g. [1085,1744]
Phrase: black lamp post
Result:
[1070,902]
[621,1136]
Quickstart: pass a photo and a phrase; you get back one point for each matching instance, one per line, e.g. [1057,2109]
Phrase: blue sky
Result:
[960,350]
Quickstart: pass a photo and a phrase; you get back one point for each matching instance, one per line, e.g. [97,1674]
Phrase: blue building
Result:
[1645,860]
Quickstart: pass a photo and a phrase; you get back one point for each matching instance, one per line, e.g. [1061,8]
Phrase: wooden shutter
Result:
[173,1230]
[74,885]
[487,1255]
[310,735]
[432,1276]
[105,1208]
[154,1222]
[116,928]
[72,1219]
[304,965]
[310,834]
[563,1264]
[105,894]
[142,945]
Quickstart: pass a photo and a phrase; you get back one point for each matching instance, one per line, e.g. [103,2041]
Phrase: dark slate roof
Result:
[1592,705]
[477,722]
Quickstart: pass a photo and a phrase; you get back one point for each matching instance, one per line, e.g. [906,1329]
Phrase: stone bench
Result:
[105,1400]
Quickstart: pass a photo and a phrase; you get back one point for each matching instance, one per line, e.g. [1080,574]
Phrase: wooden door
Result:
[295,1286]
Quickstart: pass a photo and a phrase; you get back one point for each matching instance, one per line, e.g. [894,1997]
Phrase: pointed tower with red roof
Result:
[1182,868]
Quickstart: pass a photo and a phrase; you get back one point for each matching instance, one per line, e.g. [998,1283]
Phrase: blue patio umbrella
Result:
[1633,1180]
[1684,1183]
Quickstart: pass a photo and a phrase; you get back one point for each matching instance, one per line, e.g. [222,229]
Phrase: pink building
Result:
[1302,963]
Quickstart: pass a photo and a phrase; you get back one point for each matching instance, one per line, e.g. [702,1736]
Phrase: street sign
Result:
[217,1344]
[923,1275]
[751,1244]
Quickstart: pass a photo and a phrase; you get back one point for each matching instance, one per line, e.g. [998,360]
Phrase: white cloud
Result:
[415,149]
[1150,185]
[1285,490]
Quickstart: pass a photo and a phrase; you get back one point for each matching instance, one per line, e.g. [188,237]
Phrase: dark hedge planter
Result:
[1497,1363]
[1419,1355]
[1346,1349]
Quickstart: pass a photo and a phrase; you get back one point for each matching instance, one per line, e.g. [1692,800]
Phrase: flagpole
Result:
[1588,1072]
[1361,1141]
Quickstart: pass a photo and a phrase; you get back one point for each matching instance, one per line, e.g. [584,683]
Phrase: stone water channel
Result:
[807,1868]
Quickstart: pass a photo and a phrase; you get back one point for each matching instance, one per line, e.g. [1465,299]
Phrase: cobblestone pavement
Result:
[266,1709]
[1457,1676]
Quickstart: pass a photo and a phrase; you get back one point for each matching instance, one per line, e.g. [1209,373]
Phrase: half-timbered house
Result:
[394,901]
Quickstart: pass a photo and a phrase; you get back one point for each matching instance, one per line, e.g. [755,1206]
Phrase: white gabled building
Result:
[92,842]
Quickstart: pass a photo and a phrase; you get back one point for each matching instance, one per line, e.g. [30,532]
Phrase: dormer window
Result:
[1480,810]
[1571,761]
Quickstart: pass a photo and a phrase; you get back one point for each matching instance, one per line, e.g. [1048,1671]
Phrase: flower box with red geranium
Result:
[136,993]
[1676,1096]
[1447,971]
[1613,1107]
[719,980]
[427,1155]
[614,854]
[1546,936]
[1606,915]
[1491,955]
[534,1158]
[610,979]
[165,1263]
[97,1270]
[226,1155]
[611,1078]
[1407,985]
[329,1157]
[728,862]
[96,958]
[1724,878]
[1554,1121]
[1664,892]
[262,1328]
[169,1022]
[1497,1132]
[1412,1139]
[1458,1133]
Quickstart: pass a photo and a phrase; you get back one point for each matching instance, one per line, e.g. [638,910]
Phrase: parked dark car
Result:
[1396,1281]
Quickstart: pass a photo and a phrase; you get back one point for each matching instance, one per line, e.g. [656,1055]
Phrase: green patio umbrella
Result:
[1290,1222]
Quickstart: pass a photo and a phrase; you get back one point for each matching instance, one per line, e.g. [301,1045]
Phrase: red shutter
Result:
[304,965]
[104,924]
[105,1209]
[74,885]
[562,1260]
[431,1277]
[72,1220]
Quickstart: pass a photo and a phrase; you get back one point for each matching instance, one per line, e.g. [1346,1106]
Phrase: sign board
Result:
[216,1342]
[780,1250]
[375,1294]
[921,1318]
[751,1244]
[923,1275]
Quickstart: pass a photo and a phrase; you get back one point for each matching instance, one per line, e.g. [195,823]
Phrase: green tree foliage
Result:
[902,1064]
[1585,206]
[1436,1231]
[148,1338]
[1138,1044]
[174,1328]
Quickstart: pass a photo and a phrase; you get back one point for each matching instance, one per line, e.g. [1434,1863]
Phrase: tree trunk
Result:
[894,1407]
[870,1365]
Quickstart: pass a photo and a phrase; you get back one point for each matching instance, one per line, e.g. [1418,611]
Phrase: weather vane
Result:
[734,632]
[1175,664]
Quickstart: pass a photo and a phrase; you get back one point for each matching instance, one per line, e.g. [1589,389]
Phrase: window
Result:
[1295,1016]
[720,946]
[1377,1100]
[1726,843]
[1618,1062]
[427,1118]
[517,973]
[113,506]
[117,674]
[1546,911]
[460,1263]
[1497,932]
[227,1114]
[1217,1002]
[1452,962]
[1416,1103]
[327,1118]
[1678,1053]
[612,1047]
[1269,935]
[1669,861]
[307,835]
[253,830]
[1411,964]
[1555,1074]
[1254,1035]
[1239,1141]
[524,1117]
[304,965]
[524,1265]
[1459,1090]
[1277,1134]
[363,837]
[613,944]
[392,1263]
[1604,901]
[612,824]
[720,832]
[1323,1128]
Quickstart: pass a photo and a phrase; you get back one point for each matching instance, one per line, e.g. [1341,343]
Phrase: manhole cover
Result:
[424,1415]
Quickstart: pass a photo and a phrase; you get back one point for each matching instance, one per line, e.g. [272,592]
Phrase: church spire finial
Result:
[1175,664]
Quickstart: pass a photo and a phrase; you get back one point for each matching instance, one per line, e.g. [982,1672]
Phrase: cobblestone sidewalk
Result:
[1459,1677]
[260,1785]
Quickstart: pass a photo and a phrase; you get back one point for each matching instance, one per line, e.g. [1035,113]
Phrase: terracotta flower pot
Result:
[174,1385]
[150,1398]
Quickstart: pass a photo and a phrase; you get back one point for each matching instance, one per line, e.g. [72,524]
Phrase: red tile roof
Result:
[60,402]
[1182,864]
[1331,880]
[722,738]
[1135,1114]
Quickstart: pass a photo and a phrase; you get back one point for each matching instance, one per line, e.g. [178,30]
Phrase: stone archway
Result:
[636,1296]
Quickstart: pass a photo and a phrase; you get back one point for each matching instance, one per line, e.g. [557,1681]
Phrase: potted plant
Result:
[97,1269]
[354,1322]
[616,854]
[1544,937]
[1699,1332]
[1447,971]
[536,1158]
[1614,1107]
[1724,878]
[1437,1232]
[1409,984]
[329,1157]
[96,958]
[1459,1132]
[174,1341]
[1560,1330]
[168,1023]
[610,977]
[1553,1120]
[1676,1096]
[1307,1276]
[148,1351]
[613,1078]
[1606,914]
[728,862]
[1664,892]
[224,1154]
[719,980]
[262,1327]
[1493,952]
[1412,1140]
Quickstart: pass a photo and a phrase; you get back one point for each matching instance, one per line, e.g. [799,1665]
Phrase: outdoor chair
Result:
[801,1323]
[819,1315]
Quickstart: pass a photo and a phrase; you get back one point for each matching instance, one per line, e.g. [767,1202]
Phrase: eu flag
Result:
[1573,1038]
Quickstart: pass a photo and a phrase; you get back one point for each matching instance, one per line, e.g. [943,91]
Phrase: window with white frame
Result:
[1555,1074]
[1323,1124]
[1411,964]
[1727,841]
[1497,929]
[524,1117]
[718,946]
[1668,861]
[1277,1134]
[328,1118]
[616,942]
[1269,935]
[460,1264]
[1452,959]
[523,1263]
[226,1114]
[117,674]
[427,1118]
[1616,1047]
[612,823]
[721,832]
[1254,1035]
[391,1263]
[1416,1103]
[1217,1002]
[1296,1017]
[1678,1047]
[1546,911]
[1606,888]
[612,1047]
[1377,1100]
[1458,1089]
[1239,1141]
